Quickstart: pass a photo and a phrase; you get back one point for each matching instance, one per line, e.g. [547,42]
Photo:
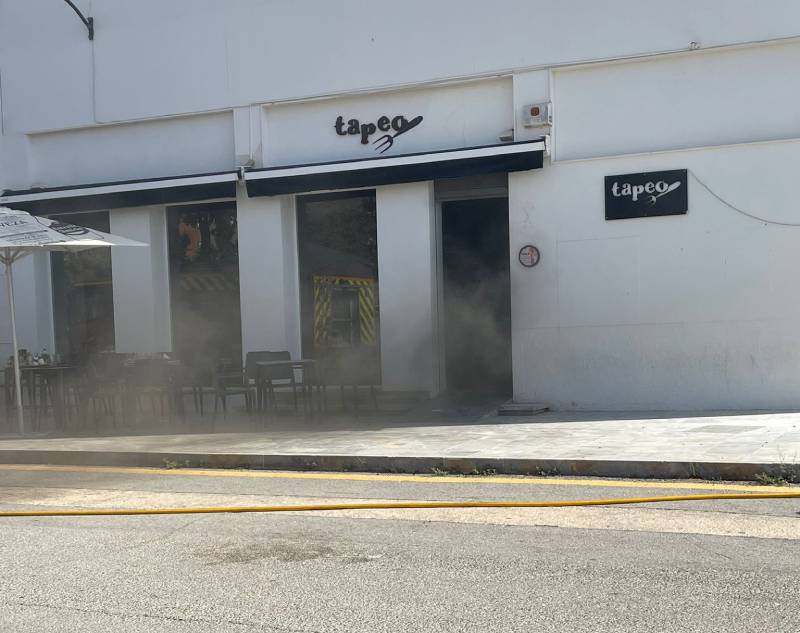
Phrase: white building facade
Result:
[273,110]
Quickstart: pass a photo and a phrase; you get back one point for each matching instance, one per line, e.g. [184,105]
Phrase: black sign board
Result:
[647,194]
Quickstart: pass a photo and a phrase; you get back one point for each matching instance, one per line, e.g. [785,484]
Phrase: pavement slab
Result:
[730,445]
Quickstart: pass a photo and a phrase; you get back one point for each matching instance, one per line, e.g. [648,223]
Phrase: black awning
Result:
[372,172]
[126,193]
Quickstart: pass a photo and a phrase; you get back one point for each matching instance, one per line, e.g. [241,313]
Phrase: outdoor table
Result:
[307,366]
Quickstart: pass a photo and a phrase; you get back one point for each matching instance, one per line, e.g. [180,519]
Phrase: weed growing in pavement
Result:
[488,471]
[475,472]
[546,472]
[787,474]
[482,472]
[170,464]
[792,473]
[766,479]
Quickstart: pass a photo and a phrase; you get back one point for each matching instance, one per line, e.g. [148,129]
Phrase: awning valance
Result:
[366,172]
[372,172]
[126,193]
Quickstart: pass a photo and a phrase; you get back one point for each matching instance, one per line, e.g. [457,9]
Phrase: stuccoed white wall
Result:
[407,286]
[45,66]
[142,315]
[206,55]
[686,312]
[690,100]
[154,57]
[268,288]
[149,149]
[464,115]
[31,274]
[33,297]
[14,172]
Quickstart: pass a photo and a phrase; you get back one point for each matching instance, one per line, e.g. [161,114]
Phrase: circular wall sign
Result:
[529,256]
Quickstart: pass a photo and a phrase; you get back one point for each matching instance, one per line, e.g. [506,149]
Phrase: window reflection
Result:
[338,250]
[204,276]
[83,300]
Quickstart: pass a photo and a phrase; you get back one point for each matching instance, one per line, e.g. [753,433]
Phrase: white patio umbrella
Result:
[22,234]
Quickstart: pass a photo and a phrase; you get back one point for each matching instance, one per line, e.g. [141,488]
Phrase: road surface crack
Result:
[167,618]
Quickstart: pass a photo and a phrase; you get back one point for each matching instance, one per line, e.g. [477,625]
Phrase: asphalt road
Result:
[708,566]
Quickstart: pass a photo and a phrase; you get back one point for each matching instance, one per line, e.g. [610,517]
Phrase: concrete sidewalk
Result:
[727,445]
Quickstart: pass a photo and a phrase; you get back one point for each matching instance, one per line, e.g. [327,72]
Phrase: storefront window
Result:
[83,301]
[204,281]
[338,249]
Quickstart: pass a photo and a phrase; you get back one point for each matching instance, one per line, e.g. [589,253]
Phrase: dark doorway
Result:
[339,303]
[204,283]
[477,297]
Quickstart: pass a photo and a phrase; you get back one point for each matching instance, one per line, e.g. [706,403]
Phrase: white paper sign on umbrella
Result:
[22,234]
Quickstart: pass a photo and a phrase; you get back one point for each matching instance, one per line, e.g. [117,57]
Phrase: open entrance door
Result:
[477,297]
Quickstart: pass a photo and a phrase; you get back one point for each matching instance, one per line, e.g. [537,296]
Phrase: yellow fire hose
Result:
[404,505]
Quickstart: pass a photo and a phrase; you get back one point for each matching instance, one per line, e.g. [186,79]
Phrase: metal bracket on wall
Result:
[89,22]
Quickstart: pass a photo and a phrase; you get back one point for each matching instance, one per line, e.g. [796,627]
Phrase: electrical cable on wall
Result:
[737,209]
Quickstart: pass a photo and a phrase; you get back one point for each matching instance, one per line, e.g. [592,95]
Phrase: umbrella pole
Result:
[17,383]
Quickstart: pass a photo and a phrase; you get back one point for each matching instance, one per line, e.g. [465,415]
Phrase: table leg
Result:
[58,400]
[270,399]
[29,380]
[322,389]
[308,407]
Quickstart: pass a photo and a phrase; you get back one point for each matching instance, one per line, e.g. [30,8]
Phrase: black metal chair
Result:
[96,391]
[272,380]
[198,381]
[37,394]
[155,380]
[230,379]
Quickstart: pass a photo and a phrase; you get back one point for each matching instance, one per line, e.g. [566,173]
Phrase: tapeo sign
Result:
[647,194]
[394,127]
[68,229]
